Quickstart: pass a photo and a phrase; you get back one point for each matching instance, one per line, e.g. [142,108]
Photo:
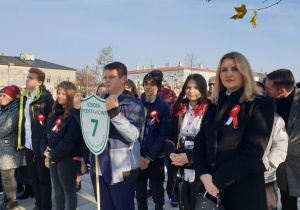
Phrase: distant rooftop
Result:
[168,69]
[31,62]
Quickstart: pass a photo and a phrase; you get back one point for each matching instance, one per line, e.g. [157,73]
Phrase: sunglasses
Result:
[211,84]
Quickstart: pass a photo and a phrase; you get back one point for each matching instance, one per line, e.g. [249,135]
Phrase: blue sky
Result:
[71,32]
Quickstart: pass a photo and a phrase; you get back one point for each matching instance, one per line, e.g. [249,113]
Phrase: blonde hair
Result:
[246,71]
[70,89]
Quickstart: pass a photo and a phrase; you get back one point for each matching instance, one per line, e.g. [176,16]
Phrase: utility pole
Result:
[9,65]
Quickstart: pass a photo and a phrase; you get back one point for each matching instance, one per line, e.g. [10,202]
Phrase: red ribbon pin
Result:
[154,114]
[41,118]
[233,113]
[57,123]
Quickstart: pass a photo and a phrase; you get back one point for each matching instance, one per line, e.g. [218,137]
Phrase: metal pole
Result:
[9,64]
[8,74]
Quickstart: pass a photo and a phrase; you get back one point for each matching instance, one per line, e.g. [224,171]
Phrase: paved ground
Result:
[86,199]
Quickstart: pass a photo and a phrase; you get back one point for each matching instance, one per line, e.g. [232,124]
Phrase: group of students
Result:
[222,145]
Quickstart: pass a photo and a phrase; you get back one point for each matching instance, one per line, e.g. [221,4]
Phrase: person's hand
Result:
[209,185]
[179,159]
[77,100]
[111,102]
[88,166]
[144,163]
[47,152]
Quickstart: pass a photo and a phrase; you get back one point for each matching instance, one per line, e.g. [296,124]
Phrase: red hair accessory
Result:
[198,111]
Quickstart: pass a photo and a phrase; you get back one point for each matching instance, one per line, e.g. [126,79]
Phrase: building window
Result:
[58,80]
[48,79]
[68,79]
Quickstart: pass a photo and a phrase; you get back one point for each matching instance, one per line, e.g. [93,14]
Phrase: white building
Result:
[175,76]
[14,71]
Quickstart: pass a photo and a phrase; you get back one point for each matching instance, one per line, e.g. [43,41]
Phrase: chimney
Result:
[27,57]
[152,66]
[168,65]
[137,67]
[180,64]
[144,67]
[3,54]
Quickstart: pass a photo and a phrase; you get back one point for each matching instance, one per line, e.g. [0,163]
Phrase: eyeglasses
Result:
[211,84]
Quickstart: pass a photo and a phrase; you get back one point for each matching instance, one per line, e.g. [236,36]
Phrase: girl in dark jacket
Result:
[152,145]
[234,134]
[185,124]
[62,143]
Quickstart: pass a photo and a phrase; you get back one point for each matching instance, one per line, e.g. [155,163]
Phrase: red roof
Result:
[168,69]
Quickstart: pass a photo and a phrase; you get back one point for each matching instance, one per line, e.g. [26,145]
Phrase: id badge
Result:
[189,144]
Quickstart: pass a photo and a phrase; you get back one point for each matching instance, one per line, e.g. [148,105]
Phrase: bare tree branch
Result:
[267,6]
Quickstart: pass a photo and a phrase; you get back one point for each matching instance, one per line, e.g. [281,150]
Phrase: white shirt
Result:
[28,140]
[190,125]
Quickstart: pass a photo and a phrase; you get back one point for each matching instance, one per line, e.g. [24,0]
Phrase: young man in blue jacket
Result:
[152,144]
[120,161]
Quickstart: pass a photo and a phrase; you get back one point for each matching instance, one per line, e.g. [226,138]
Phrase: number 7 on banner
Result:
[96,125]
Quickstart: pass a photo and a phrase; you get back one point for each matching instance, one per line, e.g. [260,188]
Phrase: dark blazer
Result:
[288,172]
[234,156]
[171,145]
[152,144]
[67,143]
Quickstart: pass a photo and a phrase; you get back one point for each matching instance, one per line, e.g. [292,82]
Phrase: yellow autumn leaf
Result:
[208,0]
[254,19]
[241,12]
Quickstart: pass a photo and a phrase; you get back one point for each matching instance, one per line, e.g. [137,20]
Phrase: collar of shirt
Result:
[33,94]
[150,101]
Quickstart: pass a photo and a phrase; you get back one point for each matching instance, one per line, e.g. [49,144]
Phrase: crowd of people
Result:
[231,138]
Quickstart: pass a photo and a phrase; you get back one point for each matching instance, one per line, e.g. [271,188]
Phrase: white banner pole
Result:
[97,181]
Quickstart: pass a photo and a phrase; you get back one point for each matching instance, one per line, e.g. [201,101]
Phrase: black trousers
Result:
[186,194]
[156,174]
[64,176]
[40,180]
[288,202]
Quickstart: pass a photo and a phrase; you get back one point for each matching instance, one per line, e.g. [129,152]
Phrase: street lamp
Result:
[9,65]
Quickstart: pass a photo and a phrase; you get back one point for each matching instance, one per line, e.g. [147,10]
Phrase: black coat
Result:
[234,156]
[171,145]
[67,143]
[41,104]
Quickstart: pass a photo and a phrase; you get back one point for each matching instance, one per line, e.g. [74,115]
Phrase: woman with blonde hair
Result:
[62,143]
[234,134]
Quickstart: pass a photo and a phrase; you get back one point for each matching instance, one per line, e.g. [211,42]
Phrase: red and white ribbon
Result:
[57,123]
[233,116]
[41,118]
[154,114]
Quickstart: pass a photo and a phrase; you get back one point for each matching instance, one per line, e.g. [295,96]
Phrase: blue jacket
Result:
[68,142]
[121,158]
[152,144]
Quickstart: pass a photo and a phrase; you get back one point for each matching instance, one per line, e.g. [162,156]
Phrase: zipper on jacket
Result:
[32,112]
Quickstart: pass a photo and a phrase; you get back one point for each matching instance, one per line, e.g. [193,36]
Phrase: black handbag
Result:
[204,203]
